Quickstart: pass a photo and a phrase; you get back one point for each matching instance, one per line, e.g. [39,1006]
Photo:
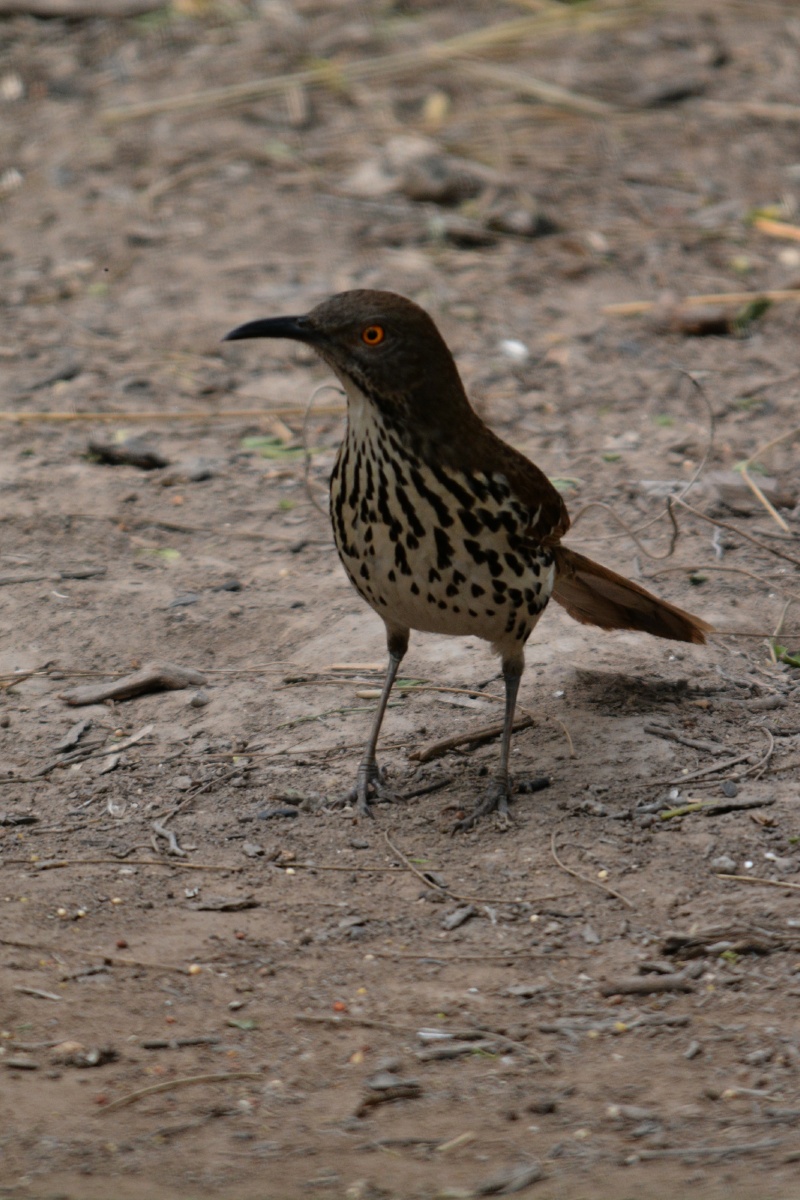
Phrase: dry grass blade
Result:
[778,229]
[474,42]
[538,89]
[787,113]
[137,418]
[633,308]
[57,864]
[762,499]
[169,1085]
[756,457]
[778,883]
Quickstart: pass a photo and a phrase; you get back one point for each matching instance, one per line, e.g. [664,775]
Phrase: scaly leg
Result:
[498,792]
[369,780]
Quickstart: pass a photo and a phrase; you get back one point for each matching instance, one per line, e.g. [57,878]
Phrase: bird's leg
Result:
[498,792]
[369,780]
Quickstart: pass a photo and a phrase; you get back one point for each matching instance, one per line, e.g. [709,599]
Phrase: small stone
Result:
[723,863]
[199,700]
[184,601]
[183,783]
[438,180]
[459,917]
[21,1064]
[252,849]
[730,789]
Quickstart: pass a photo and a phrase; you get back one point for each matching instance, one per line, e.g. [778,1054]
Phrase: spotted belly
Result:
[435,550]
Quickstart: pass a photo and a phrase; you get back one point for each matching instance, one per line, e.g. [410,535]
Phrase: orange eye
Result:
[373,335]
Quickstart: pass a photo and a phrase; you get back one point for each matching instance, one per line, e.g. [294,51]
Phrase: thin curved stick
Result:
[585,878]
[323,387]
[740,533]
[634,534]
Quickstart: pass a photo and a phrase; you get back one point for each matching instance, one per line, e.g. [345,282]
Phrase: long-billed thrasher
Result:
[439,524]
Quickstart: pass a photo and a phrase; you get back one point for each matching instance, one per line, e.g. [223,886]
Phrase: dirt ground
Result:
[392,1011]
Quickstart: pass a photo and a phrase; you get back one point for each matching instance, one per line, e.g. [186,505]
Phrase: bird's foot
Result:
[369,785]
[496,800]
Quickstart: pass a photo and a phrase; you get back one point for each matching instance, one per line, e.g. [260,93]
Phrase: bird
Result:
[440,525]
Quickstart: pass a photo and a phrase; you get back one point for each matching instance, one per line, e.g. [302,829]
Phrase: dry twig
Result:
[634,308]
[477,737]
[795,887]
[170,1085]
[153,677]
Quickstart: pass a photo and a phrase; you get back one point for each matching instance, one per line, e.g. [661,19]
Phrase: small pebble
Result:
[199,700]
[459,916]
[729,788]
[183,783]
[515,350]
[183,601]
[724,863]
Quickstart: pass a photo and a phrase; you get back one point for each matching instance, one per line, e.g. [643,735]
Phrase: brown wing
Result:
[530,485]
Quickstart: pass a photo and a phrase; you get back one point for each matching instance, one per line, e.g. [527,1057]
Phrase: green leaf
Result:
[664,420]
[750,313]
[753,468]
[272,447]
[165,553]
[611,456]
[773,212]
[785,656]
[566,483]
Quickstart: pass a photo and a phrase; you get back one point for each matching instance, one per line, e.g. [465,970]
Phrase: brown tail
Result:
[594,595]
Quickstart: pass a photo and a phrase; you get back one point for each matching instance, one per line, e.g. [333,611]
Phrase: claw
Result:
[495,801]
[369,785]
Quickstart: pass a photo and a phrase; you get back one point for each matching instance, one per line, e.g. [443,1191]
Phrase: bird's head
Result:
[381,343]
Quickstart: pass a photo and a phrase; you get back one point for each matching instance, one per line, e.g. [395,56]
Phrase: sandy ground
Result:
[285,972]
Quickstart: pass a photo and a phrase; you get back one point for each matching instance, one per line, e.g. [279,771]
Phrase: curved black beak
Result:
[296,328]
